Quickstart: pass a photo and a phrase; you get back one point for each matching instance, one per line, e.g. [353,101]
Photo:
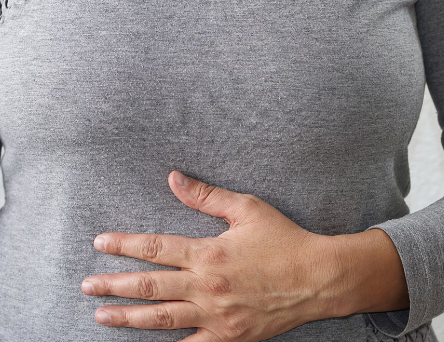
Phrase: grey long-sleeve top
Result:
[309,105]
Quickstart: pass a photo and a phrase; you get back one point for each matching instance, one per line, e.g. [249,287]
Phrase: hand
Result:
[263,276]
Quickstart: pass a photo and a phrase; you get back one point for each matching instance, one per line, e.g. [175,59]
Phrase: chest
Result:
[155,74]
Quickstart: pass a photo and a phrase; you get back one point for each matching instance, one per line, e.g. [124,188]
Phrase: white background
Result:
[426,157]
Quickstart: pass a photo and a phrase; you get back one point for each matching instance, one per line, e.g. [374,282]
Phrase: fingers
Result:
[154,285]
[165,249]
[168,315]
[209,199]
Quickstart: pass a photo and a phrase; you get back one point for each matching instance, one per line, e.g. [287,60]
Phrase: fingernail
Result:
[99,243]
[180,178]
[87,288]
[102,317]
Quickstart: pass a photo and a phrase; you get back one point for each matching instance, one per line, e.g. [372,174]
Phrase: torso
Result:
[308,105]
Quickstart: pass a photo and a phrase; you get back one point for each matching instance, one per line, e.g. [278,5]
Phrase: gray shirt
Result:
[309,105]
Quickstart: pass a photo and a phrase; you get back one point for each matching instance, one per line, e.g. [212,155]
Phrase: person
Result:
[240,166]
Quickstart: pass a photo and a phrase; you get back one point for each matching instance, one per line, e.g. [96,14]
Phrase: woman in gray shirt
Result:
[292,119]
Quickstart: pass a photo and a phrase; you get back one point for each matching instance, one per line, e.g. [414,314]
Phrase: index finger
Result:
[165,249]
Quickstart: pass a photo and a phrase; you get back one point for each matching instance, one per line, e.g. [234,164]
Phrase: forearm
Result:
[372,277]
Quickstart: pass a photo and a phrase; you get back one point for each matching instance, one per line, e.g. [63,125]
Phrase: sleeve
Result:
[419,237]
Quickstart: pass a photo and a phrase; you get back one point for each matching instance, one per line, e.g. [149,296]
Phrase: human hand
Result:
[262,277]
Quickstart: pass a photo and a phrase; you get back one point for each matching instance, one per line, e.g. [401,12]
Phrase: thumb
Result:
[207,198]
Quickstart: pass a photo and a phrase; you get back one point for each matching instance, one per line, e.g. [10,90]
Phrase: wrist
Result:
[369,276]
[335,274]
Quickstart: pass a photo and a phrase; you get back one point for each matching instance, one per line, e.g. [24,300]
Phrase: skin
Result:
[262,277]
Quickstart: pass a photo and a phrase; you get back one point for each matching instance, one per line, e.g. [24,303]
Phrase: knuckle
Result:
[213,254]
[203,192]
[119,246]
[114,245]
[163,318]
[151,247]
[104,286]
[146,287]
[251,201]
[236,327]
[124,319]
[217,285]
[224,308]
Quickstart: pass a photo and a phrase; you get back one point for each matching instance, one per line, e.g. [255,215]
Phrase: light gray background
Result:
[427,171]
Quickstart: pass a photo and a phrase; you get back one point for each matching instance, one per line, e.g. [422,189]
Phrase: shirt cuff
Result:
[419,240]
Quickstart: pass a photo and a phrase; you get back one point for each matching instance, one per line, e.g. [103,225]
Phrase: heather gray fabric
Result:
[309,105]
